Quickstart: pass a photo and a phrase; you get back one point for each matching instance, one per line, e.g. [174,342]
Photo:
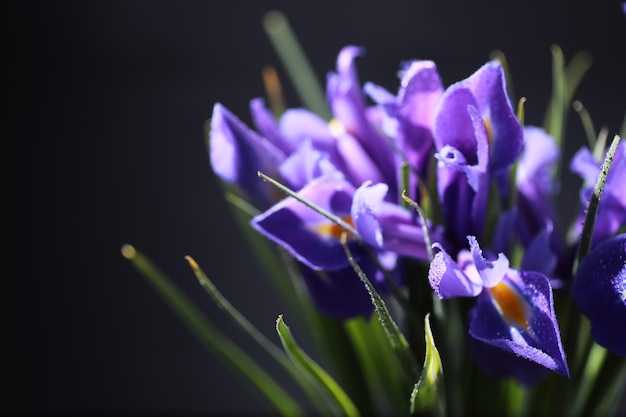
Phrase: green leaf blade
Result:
[314,371]
[428,393]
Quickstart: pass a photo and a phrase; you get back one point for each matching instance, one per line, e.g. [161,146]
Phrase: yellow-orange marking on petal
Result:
[489,131]
[333,229]
[511,305]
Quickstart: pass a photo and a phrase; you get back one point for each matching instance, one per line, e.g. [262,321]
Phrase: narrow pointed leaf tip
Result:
[593,207]
[315,372]
[428,392]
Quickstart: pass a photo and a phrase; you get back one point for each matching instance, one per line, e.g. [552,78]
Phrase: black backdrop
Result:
[109,108]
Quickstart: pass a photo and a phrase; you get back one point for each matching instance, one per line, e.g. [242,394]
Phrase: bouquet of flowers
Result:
[416,237]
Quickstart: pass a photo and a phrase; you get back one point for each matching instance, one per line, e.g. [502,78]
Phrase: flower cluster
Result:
[488,180]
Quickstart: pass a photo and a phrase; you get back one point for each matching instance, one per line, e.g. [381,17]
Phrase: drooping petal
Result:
[517,315]
[237,153]
[600,292]
[309,236]
[448,280]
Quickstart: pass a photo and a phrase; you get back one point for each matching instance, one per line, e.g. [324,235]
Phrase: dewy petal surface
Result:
[600,292]
[448,280]
[520,319]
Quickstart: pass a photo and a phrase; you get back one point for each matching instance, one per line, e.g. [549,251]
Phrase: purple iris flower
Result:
[383,229]
[477,137]
[314,241]
[612,209]
[514,310]
[600,292]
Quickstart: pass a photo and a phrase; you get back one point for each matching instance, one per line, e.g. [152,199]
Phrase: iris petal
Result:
[600,292]
[448,280]
[538,341]
[237,153]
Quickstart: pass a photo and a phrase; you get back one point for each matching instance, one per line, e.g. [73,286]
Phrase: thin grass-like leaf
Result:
[586,236]
[394,335]
[565,81]
[420,213]
[309,388]
[521,106]
[296,63]
[205,331]
[314,371]
[586,121]
[429,393]
[553,122]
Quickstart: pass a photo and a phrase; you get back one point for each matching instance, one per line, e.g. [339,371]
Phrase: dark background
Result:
[107,121]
